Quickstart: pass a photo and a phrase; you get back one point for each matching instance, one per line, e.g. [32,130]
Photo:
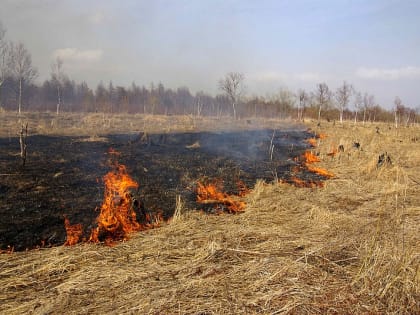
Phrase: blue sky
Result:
[374,45]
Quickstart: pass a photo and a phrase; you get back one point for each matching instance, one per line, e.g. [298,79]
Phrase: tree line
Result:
[59,93]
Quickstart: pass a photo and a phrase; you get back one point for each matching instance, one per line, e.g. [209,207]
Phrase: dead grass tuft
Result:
[389,274]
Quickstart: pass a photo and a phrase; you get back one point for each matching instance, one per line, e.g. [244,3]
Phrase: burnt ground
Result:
[63,175]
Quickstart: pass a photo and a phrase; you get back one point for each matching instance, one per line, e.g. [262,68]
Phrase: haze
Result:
[374,45]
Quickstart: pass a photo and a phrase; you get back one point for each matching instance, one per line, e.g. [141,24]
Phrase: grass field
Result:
[350,247]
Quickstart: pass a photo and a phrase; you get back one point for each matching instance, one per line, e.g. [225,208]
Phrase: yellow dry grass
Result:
[96,124]
[351,247]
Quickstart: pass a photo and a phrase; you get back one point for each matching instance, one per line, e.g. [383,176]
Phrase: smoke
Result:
[408,72]
[77,55]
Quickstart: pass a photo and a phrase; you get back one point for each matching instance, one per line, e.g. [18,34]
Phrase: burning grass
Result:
[349,247]
[305,162]
[309,157]
[74,232]
[212,194]
[312,142]
[320,171]
[117,218]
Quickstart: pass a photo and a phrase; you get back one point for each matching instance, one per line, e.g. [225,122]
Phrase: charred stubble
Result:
[63,176]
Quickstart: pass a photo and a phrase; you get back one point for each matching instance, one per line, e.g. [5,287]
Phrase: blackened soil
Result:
[63,175]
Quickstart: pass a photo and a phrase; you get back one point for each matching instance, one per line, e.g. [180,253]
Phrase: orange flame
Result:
[152,221]
[309,157]
[73,232]
[94,235]
[305,184]
[243,190]
[319,171]
[211,194]
[296,169]
[306,161]
[321,136]
[312,142]
[117,218]
[298,182]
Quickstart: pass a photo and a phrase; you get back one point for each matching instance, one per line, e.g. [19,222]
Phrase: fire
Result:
[296,169]
[312,142]
[309,157]
[304,183]
[243,190]
[73,232]
[212,194]
[298,182]
[306,161]
[117,218]
[94,235]
[152,221]
[319,171]
[321,136]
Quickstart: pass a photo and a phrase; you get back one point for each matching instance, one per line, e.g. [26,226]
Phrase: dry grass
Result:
[350,247]
[96,124]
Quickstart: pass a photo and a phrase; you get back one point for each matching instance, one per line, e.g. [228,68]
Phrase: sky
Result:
[373,45]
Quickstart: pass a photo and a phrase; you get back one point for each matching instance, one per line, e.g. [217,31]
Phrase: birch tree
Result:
[232,85]
[398,106]
[342,97]
[322,96]
[358,104]
[3,58]
[368,103]
[303,100]
[20,65]
[58,78]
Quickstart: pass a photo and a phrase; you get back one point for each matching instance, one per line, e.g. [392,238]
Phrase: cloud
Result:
[408,72]
[272,76]
[307,77]
[96,18]
[74,54]
[269,76]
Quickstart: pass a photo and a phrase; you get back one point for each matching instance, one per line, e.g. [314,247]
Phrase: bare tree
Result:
[342,97]
[322,96]
[3,58]
[398,108]
[303,100]
[410,115]
[20,64]
[58,78]
[232,85]
[368,103]
[402,113]
[199,103]
[416,115]
[358,104]
[284,102]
